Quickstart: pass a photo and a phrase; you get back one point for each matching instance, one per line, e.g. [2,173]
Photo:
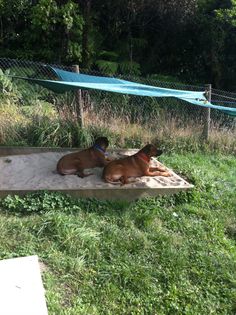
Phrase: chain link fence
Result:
[33,116]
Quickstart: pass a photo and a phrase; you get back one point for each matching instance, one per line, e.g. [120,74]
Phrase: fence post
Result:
[78,101]
[207,114]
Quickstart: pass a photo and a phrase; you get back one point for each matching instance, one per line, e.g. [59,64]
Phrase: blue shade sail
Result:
[69,81]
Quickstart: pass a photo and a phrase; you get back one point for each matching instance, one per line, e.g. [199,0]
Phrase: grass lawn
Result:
[169,255]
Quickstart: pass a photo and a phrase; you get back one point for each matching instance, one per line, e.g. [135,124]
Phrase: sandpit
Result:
[21,173]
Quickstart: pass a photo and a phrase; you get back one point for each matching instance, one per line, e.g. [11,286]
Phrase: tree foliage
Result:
[192,40]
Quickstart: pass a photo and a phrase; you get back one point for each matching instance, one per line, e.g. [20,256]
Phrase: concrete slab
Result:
[21,173]
[21,287]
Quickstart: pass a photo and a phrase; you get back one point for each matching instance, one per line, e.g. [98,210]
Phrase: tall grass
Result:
[11,120]
[40,128]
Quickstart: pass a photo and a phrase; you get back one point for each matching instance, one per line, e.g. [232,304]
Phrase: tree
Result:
[48,30]
[57,27]
[194,40]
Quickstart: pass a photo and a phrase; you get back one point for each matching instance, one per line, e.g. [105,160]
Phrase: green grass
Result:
[168,255]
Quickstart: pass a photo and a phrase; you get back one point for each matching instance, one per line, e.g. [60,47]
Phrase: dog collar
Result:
[144,157]
[97,147]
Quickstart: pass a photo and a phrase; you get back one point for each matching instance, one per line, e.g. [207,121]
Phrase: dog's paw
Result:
[166,174]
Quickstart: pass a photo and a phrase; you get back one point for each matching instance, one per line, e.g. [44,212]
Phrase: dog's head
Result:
[150,150]
[102,142]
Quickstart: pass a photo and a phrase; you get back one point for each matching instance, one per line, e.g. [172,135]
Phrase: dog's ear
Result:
[147,149]
[151,150]
[102,141]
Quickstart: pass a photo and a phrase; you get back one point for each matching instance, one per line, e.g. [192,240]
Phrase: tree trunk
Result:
[86,30]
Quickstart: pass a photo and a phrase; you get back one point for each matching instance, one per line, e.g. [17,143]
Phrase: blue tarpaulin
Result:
[68,81]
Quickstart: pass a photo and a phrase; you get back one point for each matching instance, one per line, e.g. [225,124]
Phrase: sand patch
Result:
[37,171]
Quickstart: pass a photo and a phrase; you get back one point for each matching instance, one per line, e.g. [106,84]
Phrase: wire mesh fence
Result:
[32,115]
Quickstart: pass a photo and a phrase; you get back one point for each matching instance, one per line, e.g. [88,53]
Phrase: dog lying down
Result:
[137,165]
[75,163]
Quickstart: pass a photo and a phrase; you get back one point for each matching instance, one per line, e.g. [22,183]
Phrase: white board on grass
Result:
[21,287]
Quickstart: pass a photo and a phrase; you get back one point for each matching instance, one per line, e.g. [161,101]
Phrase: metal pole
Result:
[78,102]
[207,115]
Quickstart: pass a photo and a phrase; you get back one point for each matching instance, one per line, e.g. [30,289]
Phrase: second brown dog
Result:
[75,163]
[136,165]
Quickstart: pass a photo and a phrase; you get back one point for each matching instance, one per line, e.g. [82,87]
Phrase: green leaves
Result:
[108,67]
[55,27]
[227,15]
[130,67]
[6,85]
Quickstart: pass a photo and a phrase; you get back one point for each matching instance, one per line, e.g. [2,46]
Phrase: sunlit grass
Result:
[168,255]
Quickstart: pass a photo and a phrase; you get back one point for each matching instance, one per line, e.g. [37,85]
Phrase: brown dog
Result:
[75,163]
[136,165]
